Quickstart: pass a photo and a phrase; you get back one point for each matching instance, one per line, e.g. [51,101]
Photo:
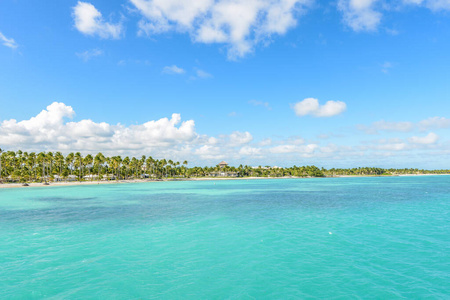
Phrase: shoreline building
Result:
[223,172]
[223,164]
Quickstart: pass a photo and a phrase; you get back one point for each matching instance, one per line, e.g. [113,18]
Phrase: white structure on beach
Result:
[223,164]
[72,178]
[222,172]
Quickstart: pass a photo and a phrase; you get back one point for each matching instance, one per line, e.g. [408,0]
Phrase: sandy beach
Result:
[83,183]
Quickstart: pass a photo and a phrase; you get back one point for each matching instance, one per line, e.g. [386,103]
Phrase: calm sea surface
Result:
[379,238]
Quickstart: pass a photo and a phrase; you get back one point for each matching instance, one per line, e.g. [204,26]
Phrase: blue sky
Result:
[249,81]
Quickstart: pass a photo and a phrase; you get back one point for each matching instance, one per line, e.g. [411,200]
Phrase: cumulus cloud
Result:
[88,54]
[50,130]
[366,15]
[434,123]
[434,5]
[208,152]
[427,124]
[265,142]
[239,24]
[438,5]
[386,126]
[239,138]
[250,151]
[54,130]
[88,20]
[300,149]
[360,15]
[173,70]
[8,42]
[310,106]
[392,146]
[407,145]
[294,140]
[430,138]
[227,146]
[202,74]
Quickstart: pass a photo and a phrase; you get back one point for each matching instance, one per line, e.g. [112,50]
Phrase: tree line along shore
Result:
[23,167]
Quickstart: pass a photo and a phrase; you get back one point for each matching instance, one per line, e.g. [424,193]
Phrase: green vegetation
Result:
[48,166]
[379,171]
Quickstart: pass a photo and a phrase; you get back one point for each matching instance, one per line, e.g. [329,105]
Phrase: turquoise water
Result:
[340,238]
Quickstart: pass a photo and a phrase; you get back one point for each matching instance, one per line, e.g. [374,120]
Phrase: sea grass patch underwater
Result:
[384,237]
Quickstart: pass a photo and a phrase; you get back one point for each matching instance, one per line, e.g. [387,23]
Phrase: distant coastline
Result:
[89,183]
[18,168]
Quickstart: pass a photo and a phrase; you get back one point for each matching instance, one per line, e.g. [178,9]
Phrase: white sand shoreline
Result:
[84,183]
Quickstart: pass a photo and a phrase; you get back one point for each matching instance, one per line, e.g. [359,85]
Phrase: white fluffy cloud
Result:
[383,125]
[434,123]
[392,146]
[360,15]
[366,15]
[430,138]
[250,151]
[8,42]
[239,24]
[53,130]
[311,106]
[88,54]
[434,5]
[88,20]
[208,152]
[239,138]
[202,74]
[300,149]
[173,70]
[427,124]
[49,130]
[409,145]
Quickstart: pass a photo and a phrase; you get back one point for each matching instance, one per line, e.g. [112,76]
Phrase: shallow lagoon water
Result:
[377,237]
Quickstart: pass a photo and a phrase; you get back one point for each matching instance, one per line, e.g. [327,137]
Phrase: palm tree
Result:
[108,161]
[59,159]
[24,170]
[116,162]
[41,159]
[141,165]
[87,162]
[150,163]
[126,165]
[99,160]
[79,163]
[69,161]
[49,159]
[185,163]
[177,163]
[163,165]
[1,156]
[31,161]
[134,164]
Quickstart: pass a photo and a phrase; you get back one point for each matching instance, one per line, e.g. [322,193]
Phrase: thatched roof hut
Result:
[223,164]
